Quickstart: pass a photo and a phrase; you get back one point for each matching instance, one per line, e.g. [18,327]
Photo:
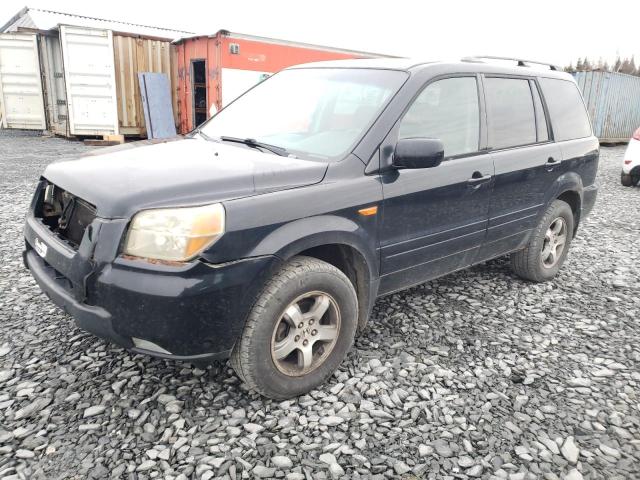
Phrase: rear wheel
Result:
[627,180]
[299,330]
[548,246]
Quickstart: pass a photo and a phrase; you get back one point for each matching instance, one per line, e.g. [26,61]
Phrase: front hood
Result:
[122,180]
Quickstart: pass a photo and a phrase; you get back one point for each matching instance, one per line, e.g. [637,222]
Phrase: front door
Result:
[435,219]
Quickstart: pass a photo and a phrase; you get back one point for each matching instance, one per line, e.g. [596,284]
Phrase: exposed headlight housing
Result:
[174,234]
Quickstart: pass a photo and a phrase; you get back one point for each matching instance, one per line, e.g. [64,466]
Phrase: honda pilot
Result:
[266,235]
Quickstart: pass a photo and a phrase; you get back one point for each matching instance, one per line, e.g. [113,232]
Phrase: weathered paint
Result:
[257,54]
[134,55]
[187,50]
[613,102]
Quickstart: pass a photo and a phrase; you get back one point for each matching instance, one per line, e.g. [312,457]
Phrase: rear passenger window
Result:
[511,117]
[569,118]
[448,110]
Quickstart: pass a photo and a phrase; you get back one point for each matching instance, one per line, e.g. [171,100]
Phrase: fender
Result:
[567,182]
[294,237]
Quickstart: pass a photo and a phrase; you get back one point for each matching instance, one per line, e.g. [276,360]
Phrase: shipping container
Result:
[21,98]
[55,91]
[213,70]
[613,102]
[133,55]
[81,78]
[89,73]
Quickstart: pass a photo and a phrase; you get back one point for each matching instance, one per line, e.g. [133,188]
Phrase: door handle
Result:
[478,179]
[552,162]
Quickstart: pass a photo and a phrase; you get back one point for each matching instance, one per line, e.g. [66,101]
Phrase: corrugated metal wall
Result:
[613,101]
[135,55]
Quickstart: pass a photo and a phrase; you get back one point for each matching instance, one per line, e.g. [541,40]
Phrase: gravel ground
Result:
[477,375]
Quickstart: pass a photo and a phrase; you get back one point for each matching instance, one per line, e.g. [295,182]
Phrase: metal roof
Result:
[257,38]
[38,19]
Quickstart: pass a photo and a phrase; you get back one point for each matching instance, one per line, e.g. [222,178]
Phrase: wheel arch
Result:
[568,188]
[338,241]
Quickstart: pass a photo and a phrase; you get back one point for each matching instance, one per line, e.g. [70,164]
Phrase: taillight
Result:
[627,162]
[636,134]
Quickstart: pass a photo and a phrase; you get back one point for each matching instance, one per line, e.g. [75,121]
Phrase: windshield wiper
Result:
[250,142]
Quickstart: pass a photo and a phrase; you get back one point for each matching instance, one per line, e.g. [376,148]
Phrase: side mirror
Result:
[418,153]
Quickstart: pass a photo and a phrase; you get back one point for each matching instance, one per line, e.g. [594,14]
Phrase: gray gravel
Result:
[477,375]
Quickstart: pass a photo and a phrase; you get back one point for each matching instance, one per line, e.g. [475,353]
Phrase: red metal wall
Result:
[188,50]
[254,55]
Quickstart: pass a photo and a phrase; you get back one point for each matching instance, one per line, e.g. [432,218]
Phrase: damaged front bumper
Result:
[192,312]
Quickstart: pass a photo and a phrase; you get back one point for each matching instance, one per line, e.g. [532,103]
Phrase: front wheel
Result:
[298,331]
[548,246]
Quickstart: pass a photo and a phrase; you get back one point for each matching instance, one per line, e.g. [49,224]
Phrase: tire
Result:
[536,262]
[627,180]
[304,286]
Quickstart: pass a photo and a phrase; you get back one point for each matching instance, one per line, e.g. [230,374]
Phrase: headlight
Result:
[174,234]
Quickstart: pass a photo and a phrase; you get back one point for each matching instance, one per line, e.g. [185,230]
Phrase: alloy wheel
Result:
[555,240]
[305,334]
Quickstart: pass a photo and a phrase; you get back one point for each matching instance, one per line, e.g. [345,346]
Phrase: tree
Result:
[617,65]
[579,65]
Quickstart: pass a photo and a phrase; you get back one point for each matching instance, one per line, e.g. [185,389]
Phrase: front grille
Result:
[66,215]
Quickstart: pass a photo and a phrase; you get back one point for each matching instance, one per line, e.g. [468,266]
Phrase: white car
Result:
[631,163]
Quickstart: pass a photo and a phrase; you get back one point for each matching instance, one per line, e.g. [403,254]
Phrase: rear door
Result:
[90,80]
[525,158]
[21,103]
[571,128]
[435,218]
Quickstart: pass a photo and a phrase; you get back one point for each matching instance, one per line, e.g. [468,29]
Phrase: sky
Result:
[555,31]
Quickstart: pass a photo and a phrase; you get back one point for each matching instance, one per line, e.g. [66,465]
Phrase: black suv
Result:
[266,234]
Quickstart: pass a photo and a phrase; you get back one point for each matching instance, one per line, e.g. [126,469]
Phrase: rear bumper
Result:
[192,312]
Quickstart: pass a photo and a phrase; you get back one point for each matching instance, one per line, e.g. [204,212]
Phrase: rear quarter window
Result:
[569,117]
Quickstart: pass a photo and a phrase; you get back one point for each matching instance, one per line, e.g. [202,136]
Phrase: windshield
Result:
[312,112]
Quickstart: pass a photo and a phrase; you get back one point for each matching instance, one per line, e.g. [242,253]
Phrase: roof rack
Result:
[520,62]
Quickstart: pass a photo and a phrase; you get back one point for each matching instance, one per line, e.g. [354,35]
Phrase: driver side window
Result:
[448,110]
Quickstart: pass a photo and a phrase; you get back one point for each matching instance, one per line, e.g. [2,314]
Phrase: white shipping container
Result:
[21,102]
[90,80]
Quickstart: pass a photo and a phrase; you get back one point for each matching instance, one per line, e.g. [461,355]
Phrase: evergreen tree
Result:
[617,65]
[579,65]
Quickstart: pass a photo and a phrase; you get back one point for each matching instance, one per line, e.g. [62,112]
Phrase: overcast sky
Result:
[556,31]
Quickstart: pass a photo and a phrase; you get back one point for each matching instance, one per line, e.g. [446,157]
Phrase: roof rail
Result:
[520,62]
